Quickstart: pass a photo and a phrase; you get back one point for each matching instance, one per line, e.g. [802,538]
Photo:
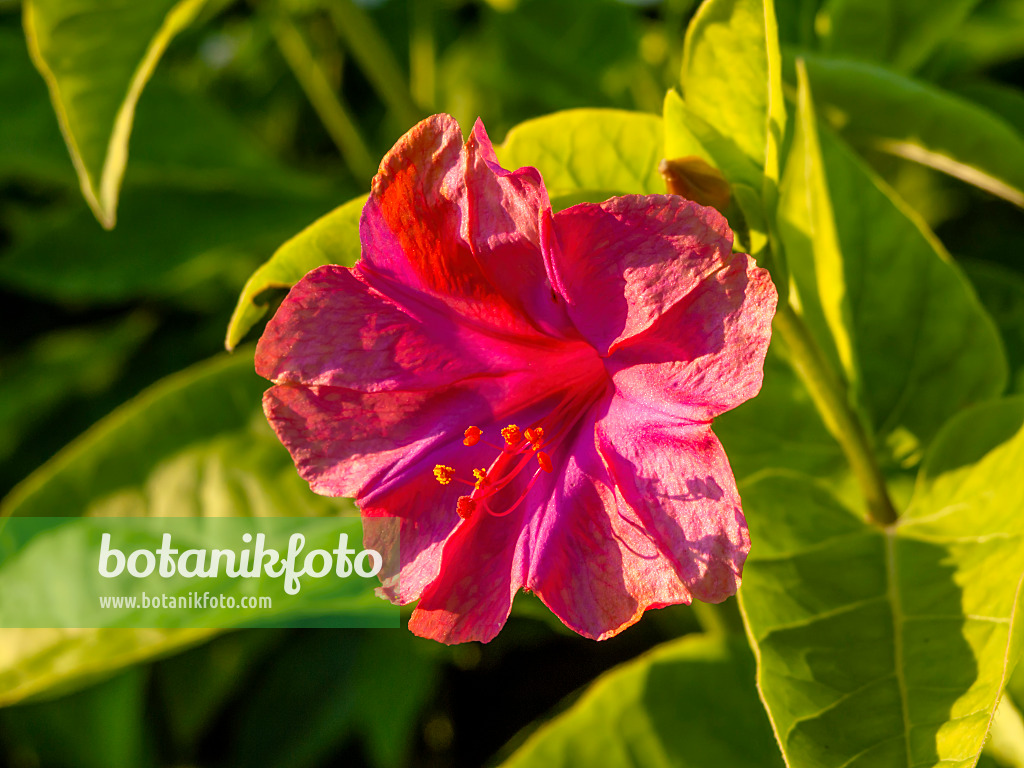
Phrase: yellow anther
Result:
[443,474]
[465,507]
[545,461]
[472,436]
[481,477]
[512,435]
[535,435]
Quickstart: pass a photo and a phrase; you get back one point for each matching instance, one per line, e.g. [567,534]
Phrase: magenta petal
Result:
[677,480]
[592,561]
[472,596]
[705,355]
[508,224]
[445,221]
[625,262]
[334,330]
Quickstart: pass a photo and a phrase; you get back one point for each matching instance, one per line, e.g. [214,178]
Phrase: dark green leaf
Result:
[921,122]
[690,702]
[902,33]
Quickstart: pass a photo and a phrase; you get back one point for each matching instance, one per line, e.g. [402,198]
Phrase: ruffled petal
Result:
[479,575]
[676,479]
[705,355]
[508,225]
[445,221]
[333,329]
[592,562]
[624,263]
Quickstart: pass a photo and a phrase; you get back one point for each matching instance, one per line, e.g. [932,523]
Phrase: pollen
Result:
[481,477]
[545,461]
[443,474]
[465,507]
[512,435]
[472,436]
[535,435]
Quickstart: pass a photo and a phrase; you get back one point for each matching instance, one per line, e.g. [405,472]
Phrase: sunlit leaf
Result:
[877,288]
[590,149]
[780,428]
[96,58]
[732,87]
[890,647]
[690,702]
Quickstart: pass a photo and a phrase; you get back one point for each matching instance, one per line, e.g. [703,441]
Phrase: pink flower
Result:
[529,393]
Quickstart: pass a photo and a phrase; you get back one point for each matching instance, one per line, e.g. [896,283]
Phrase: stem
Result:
[375,59]
[325,101]
[422,53]
[829,395]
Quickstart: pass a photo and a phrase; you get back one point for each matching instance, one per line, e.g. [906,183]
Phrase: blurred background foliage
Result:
[263,116]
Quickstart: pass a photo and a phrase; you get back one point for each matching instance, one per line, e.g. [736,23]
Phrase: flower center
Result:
[519,448]
[522,450]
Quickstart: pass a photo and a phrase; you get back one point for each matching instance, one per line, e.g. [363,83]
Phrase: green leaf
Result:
[780,428]
[76,730]
[194,444]
[1006,740]
[61,366]
[332,239]
[920,122]
[373,684]
[96,58]
[890,647]
[992,35]
[191,163]
[880,294]
[589,149]
[65,257]
[902,34]
[689,702]
[732,88]
[30,142]
[1001,290]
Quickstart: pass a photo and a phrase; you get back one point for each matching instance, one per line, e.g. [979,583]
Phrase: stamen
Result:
[472,436]
[518,501]
[512,435]
[535,435]
[443,474]
[465,507]
[545,461]
[481,478]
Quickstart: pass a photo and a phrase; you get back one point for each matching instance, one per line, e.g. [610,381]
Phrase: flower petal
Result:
[627,261]
[446,221]
[591,561]
[705,355]
[509,227]
[677,480]
[333,329]
[472,596]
